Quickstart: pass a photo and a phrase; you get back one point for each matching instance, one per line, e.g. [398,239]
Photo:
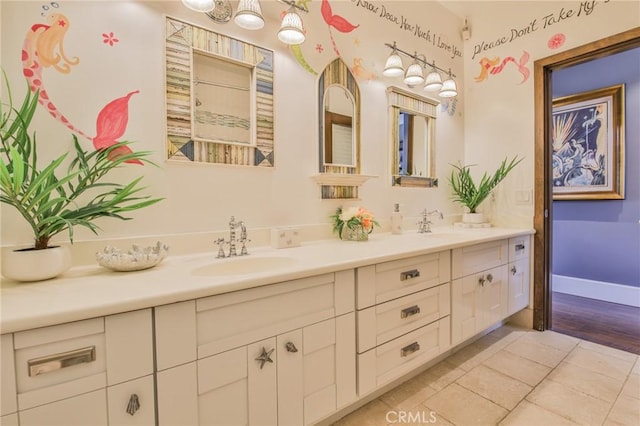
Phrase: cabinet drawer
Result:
[82,410]
[61,361]
[381,323]
[478,257]
[391,280]
[398,357]
[519,248]
[215,324]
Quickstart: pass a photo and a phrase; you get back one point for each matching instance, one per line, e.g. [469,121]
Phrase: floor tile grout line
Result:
[619,393]
[524,398]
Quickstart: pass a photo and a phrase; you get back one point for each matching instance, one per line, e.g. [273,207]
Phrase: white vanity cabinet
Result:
[97,371]
[480,290]
[277,354]
[519,260]
[403,316]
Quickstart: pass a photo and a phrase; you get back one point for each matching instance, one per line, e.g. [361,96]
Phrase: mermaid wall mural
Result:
[43,48]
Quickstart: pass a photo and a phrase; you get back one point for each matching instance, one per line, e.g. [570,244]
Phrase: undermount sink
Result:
[243,266]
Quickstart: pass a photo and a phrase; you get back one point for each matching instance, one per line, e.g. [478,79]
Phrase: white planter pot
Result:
[35,265]
[473,218]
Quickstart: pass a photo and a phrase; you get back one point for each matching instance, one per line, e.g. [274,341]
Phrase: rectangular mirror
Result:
[222,104]
[219,98]
[412,124]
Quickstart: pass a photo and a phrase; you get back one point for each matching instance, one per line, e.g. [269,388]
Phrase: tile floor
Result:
[515,376]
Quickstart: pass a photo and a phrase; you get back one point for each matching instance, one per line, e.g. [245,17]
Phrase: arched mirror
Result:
[412,124]
[339,120]
[339,143]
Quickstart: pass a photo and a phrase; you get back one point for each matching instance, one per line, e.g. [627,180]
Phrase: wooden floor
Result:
[610,324]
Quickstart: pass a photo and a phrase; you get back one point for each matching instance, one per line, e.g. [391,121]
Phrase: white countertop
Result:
[93,291]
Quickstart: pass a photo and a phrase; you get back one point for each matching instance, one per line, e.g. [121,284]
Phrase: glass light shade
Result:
[433,82]
[291,31]
[449,89]
[393,67]
[414,76]
[200,5]
[249,15]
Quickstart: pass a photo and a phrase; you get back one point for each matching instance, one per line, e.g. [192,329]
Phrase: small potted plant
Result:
[470,194]
[56,198]
[353,224]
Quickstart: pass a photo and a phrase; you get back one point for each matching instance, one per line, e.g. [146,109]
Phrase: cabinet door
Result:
[132,403]
[495,296]
[238,387]
[178,395]
[316,370]
[518,285]
[466,294]
[82,410]
[8,402]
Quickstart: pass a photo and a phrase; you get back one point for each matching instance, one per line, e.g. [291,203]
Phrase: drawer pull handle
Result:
[49,363]
[291,347]
[133,405]
[481,280]
[407,312]
[514,270]
[490,278]
[519,247]
[408,350]
[407,275]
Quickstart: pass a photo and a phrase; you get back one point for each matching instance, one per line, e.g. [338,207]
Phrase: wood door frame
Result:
[543,196]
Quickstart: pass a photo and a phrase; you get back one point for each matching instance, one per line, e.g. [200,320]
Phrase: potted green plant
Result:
[470,194]
[56,198]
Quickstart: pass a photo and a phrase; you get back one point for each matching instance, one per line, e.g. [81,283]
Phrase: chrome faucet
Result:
[232,240]
[424,224]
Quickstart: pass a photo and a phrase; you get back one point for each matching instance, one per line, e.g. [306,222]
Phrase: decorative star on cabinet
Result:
[265,357]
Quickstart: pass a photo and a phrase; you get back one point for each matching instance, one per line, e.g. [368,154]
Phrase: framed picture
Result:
[588,145]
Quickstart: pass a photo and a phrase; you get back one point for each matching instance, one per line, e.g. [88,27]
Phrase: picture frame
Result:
[588,145]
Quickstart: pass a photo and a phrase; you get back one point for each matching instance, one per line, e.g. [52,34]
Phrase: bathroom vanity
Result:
[287,336]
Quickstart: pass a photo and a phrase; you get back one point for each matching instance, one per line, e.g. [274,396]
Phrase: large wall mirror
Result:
[219,98]
[339,130]
[412,125]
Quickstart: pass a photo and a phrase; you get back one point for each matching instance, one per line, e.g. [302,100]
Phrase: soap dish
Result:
[136,259]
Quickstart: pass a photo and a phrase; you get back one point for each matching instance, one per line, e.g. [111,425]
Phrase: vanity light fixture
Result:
[414,75]
[200,5]
[449,89]
[249,15]
[433,82]
[291,31]
[393,67]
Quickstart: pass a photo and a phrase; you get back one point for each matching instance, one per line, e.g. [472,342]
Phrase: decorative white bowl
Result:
[136,259]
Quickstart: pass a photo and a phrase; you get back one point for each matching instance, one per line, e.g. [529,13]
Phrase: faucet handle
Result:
[243,250]
[220,242]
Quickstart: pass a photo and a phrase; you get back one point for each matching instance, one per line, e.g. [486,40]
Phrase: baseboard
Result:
[609,292]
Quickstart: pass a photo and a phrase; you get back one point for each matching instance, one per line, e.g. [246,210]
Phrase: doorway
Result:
[542,167]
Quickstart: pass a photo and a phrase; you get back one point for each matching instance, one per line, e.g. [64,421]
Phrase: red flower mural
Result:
[109,39]
[556,41]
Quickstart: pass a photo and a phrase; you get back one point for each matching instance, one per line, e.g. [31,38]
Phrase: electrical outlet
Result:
[285,237]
